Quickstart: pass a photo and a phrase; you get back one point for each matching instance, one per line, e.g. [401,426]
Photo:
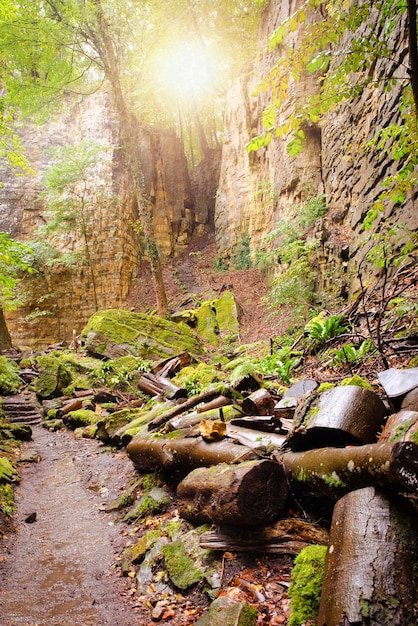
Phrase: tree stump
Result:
[369,570]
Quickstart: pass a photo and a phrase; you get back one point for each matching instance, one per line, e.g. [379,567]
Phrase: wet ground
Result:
[60,566]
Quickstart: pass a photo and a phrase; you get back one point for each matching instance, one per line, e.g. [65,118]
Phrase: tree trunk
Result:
[369,570]
[5,339]
[148,453]
[128,123]
[249,494]
[336,471]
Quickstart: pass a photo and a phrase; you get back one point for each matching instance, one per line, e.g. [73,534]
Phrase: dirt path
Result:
[60,569]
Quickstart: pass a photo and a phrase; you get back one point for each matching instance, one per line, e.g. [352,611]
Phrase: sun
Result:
[187,70]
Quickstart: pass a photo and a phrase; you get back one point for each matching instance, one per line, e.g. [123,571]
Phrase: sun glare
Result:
[186,70]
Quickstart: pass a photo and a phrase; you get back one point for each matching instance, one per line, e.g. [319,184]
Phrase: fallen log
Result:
[336,471]
[154,385]
[260,402]
[286,536]
[181,453]
[342,416]
[206,396]
[402,426]
[370,574]
[246,494]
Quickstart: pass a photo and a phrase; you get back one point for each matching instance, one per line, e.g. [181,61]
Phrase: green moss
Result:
[180,567]
[333,480]
[306,584]
[145,336]
[81,417]
[358,381]
[226,313]
[325,387]
[8,473]
[207,324]
[7,503]
[10,381]
[199,378]
[401,431]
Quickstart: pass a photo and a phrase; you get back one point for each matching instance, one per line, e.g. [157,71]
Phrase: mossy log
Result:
[246,494]
[402,426]
[182,453]
[206,396]
[286,536]
[369,570]
[336,471]
[342,416]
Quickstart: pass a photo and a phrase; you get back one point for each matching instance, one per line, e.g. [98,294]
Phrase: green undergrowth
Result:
[306,584]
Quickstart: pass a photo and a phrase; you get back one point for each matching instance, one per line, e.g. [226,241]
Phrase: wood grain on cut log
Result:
[182,453]
[369,570]
[246,494]
[286,536]
[336,471]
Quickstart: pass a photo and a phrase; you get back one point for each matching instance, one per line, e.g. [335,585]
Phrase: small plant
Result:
[241,256]
[349,353]
[282,363]
[306,584]
[322,330]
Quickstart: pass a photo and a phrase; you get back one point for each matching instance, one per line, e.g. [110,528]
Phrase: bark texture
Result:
[247,494]
[369,570]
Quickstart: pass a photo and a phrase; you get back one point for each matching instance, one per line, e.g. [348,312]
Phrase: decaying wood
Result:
[287,536]
[369,571]
[216,403]
[206,396]
[170,366]
[183,453]
[260,402]
[402,426]
[336,471]
[255,439]
[154,384]
[246,494]
[342,416]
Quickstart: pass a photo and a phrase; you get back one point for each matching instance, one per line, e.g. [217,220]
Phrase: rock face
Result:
[257,190]
[59,299]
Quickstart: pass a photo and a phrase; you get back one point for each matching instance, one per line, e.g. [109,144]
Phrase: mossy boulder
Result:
[218,317]
[180,567]
[114,333]
[59,373]
[10,381]
[81,418]
[224,613]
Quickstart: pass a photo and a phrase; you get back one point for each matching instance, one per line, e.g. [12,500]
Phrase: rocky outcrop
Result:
[258,190]
[59,298]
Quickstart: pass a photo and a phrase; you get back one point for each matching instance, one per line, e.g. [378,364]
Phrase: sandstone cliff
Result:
[258,190]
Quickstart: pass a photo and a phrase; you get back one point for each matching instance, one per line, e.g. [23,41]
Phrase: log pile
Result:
[346,445]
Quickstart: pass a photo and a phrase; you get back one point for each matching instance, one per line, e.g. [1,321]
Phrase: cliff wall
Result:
[257,191]
[59,298]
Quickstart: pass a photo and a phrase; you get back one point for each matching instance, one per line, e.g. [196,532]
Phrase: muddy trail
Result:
[60,566]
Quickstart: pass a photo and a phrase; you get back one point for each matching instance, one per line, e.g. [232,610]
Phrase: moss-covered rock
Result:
[60,373]
[226,313]
[181,569]
[81,418]
[8,473]
[115,333]
[10,381]
[207,324]
[224,613]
